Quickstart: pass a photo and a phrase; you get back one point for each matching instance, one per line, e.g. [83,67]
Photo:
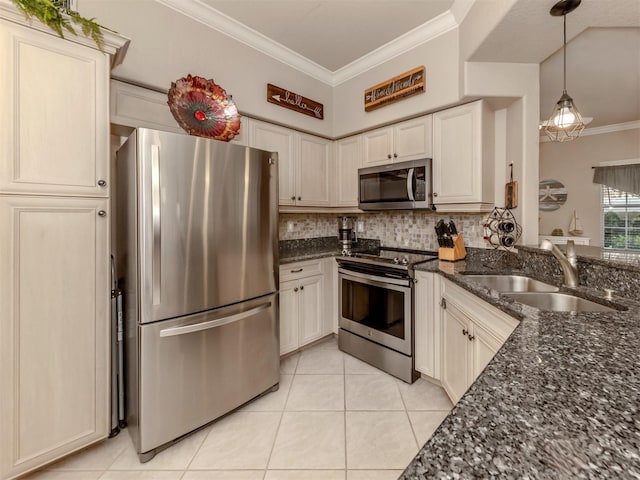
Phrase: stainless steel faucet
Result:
[569,263]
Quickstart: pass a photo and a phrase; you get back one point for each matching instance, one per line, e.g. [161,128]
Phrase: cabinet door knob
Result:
[102,183]
[295,289]
[395,155]
[302,287]
[471,337]
[435,194]
[464,331]
[388,155]
[102,213]
[293,197]
[299,198]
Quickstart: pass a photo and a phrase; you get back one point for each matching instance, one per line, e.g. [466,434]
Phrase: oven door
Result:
[377,308]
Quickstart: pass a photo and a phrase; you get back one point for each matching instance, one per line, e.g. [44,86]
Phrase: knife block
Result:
[458,252]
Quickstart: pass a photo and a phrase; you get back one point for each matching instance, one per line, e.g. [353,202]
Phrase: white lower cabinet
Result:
[427,327]
[54,340]
[472,332]
[301,304]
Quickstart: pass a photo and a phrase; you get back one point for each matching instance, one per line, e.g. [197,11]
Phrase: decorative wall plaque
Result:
[399,87]
[552,195]
[293,101]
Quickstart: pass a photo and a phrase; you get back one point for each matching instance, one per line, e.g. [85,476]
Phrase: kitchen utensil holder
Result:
[458,252]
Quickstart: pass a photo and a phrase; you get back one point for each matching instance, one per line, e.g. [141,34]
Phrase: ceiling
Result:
[340,38]
[332,33]
[603,76]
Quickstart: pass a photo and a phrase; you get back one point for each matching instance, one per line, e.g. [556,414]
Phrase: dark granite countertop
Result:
[312,248]
[561,398]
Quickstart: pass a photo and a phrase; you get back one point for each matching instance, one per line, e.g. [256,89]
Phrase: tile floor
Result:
[334,417]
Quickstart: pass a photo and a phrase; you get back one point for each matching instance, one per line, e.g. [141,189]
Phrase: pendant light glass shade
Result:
[565,122]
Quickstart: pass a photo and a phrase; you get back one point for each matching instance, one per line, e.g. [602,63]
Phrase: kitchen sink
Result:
[512,283]
[558,302]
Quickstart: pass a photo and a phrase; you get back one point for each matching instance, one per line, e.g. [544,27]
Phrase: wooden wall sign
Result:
[394,89]
[293,101]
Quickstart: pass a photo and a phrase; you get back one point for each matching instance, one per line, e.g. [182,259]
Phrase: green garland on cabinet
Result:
[57,16]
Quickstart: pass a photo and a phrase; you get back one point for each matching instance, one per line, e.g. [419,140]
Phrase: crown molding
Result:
[222,23]
[615,127]
[435,27]
[243,34]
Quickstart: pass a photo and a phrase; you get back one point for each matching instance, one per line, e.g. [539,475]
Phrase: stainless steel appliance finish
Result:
[199,367]
[397,186]
[376,298]
[346,233]
[376,307]
[197,248]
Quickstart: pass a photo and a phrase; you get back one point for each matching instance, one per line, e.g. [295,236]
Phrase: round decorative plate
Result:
[552,195]
[202,108]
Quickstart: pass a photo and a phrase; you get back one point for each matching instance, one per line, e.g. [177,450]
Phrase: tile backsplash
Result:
[401,229]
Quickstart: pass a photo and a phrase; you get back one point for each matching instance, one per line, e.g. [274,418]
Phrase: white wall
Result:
[570,163]
[515,81]
[439,57]
[166,46]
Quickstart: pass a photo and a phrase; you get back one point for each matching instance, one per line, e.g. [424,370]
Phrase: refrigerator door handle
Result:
[171,332]
[155,224]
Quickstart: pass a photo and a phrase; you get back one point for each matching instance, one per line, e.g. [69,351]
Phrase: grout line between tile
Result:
[344,415]
[195,454]
[284,406]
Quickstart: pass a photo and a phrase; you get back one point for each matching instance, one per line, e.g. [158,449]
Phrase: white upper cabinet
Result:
[348,161]
[134,106]
[463,163]
[54,107]
[304,163]
[378,147]
[273,138]
[408,140]
[413,139]
[313,171]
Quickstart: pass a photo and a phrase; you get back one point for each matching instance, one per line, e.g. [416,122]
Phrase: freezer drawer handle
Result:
[171,332]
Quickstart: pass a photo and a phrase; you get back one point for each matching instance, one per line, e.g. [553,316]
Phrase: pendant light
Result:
[565,122]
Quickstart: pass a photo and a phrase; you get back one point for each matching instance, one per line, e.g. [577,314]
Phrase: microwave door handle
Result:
[410,182]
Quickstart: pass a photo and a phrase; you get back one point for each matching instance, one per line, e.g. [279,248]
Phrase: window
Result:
[620,219]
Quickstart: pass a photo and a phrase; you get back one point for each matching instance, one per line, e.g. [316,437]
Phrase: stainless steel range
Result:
[376,308]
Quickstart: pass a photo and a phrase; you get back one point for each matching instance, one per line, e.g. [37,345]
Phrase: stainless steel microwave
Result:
[397,186]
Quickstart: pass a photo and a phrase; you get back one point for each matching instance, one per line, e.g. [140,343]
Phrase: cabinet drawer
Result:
[292,271]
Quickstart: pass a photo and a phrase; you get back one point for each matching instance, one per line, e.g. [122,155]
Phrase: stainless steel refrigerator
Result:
[196,242]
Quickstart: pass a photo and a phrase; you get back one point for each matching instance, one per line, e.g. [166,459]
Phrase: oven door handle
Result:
[374,279]
[410,182]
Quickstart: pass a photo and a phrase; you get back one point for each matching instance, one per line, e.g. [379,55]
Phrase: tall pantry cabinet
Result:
[54,238]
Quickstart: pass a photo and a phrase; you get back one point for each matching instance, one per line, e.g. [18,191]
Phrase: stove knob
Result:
[405,260]
[396,260]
